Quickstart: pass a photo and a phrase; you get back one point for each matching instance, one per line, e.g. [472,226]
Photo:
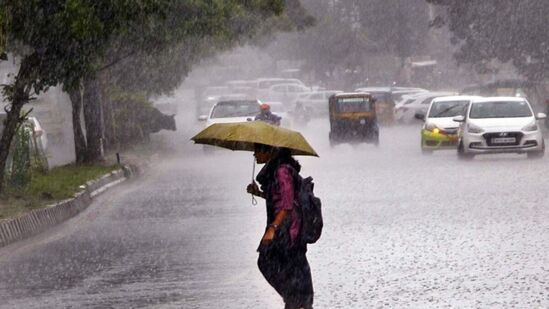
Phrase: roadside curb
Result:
[39,220]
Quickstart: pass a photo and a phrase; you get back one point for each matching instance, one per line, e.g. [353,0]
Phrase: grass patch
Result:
[58,184]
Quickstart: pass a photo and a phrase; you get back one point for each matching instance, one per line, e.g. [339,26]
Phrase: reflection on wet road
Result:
[402,230]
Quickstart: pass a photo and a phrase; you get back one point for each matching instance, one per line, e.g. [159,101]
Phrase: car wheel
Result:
[462,154]
[537,154]
[426,152]
[333,143]
[375,139]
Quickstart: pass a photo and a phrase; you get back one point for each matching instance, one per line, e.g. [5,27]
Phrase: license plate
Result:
[504,140]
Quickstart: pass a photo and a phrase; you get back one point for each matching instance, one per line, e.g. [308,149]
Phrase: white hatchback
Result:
[500,125]
[231,111]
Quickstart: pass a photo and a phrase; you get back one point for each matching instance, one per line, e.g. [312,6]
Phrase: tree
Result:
[179,42]
[504,30]
[346,31]
[59,42]
[71,42]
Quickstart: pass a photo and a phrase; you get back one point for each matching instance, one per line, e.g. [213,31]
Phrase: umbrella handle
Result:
[254,201]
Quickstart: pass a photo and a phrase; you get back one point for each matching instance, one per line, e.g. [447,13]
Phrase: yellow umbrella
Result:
[243,136]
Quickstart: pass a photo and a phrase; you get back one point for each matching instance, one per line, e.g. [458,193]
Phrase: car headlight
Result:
[431,127]
[531,127]
[471,128]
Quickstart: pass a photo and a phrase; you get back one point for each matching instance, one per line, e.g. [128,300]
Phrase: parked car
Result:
[317,101]
[417,103]
[396,93]
[440,130]
[500,125]
[386,98]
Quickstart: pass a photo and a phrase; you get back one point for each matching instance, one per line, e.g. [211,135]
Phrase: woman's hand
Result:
[254,189]
[268,236]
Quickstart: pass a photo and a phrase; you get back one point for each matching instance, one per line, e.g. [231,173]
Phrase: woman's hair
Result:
[263,148]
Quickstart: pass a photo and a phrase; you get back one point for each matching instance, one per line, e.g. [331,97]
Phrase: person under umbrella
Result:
[282,253]
[282,256]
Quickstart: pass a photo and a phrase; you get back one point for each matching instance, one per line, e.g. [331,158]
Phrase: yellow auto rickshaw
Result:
[353,118]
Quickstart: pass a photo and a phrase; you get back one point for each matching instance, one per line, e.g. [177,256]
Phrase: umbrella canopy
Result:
[244,135]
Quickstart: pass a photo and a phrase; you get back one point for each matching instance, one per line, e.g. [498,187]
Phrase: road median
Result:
[38,220]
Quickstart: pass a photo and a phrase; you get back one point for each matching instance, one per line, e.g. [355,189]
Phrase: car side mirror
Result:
[202,118]
[540,116]
[459,119]
[419,116]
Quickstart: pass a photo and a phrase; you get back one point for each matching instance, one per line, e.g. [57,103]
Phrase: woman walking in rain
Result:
[282,256]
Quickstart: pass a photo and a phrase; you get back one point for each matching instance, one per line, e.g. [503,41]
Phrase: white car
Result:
[417,103]
[317,101]
[500,125]
[233,111]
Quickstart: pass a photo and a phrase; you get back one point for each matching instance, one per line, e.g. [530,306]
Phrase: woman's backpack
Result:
[311,212]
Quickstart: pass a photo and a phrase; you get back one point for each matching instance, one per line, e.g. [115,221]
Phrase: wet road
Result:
[402,231]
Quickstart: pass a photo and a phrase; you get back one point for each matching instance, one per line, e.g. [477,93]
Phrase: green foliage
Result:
[59,184]
[506,30]
[157,59]
[68,36]
[20,170]
[154,43]
[26,158]
[130,110]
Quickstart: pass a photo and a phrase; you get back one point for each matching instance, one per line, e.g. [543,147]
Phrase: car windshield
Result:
[513,109]
[235,109]
[448,109]
[353,105]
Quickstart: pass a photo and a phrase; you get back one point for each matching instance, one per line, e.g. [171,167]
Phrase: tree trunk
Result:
[109,142]
[80,146]
[19,97]
[93,116]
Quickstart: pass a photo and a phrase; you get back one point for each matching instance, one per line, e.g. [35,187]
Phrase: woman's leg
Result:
[299,284]
[270,267]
